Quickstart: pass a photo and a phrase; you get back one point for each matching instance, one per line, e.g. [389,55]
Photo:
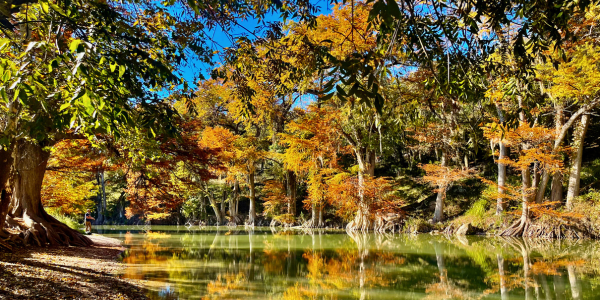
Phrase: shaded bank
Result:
[67,273]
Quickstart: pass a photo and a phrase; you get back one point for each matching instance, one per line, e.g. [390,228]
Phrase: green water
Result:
[224,263]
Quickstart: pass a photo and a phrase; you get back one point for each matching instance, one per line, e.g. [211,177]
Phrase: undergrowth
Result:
[65,219]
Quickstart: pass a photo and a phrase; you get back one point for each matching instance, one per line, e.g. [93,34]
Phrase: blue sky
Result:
[221,39]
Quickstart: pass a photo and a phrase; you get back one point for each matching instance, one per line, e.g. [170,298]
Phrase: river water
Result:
[235,263]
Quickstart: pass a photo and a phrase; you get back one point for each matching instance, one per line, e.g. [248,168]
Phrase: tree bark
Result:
[573,189]
[6,162]
[26,210]
[362,221]
[214,205]
[234,200]
[438,215]
[556,194]
[501,201]
[252,209]
[292,185]
[223,202]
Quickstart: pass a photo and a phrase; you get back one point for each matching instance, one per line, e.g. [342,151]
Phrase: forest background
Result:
[407,116]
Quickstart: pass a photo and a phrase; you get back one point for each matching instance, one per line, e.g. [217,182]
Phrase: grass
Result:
[65,219]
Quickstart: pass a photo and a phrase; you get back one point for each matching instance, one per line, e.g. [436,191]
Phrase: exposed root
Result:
[555,229]
[387,223]
[313,223]
[234,221]
[45,231]
[360,223]
[517,228]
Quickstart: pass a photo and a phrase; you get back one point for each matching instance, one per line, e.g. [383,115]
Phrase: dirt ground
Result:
[67,273]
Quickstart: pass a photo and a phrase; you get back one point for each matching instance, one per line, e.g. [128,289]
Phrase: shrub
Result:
[65,219]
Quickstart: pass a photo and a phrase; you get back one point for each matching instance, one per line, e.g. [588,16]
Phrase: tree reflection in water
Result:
[240,264]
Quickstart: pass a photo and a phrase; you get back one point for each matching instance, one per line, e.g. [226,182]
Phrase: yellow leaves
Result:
[578,78]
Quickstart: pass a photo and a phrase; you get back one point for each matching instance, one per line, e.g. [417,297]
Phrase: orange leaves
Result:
[275,198]
[313,141]
[531,144]
[343,192]
[548,209]
[442,177]
[346,30]
[69,181]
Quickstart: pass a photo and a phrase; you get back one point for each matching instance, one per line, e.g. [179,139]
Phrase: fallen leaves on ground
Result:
[67,273]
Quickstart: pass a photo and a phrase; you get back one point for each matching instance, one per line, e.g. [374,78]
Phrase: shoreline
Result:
[68,272]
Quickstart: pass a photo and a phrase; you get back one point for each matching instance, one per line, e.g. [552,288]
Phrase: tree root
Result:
[553,230]
[235,221]
[312,223]
[46,231]
[517,228]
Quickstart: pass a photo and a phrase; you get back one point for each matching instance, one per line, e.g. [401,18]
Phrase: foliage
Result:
[72,222]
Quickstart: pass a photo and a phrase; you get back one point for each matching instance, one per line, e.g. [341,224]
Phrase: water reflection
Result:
[263,264]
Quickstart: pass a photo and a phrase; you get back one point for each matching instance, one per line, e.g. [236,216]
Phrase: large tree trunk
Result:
[26,211]
[573,189]
[438,215]
[252,209]
[556,194]
[362,221]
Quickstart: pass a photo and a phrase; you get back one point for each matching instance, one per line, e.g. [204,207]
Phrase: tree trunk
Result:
[6,162]
[233,202]
[501,200]
[556,193]
[292,185]
[26,210]
[573,189]
[101,198]
[558,141]
[223,202]
[362,221]
[215,206]
[252,209]
[438,215]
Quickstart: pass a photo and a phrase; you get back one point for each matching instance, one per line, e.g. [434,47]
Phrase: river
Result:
[177,262]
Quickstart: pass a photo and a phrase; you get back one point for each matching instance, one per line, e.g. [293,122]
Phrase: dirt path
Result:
[67,273]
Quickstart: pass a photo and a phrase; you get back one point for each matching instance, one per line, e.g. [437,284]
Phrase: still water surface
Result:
[226,263]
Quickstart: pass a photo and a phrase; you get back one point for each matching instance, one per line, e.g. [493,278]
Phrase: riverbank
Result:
[67,273]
